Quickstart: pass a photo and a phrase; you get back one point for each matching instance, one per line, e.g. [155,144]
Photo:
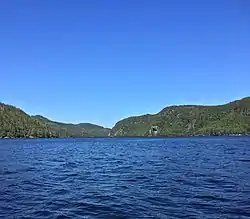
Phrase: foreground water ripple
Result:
[125,178]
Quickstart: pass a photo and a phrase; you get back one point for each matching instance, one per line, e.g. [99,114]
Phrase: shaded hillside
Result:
[16,123]
[231,118]
[75,130]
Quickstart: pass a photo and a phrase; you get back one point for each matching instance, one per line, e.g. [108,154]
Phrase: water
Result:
[125,178]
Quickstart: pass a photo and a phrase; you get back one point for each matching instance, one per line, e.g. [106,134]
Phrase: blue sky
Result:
[100,61]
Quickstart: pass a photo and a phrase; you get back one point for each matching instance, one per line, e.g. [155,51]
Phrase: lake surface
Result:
[125,178]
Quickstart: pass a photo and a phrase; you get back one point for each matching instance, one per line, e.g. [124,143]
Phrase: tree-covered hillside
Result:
[189,120]
[15,123]
[75,130]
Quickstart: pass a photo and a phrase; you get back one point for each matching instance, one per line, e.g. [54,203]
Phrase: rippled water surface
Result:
[125,178]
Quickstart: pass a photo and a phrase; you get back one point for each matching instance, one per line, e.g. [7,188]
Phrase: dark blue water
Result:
[125,178]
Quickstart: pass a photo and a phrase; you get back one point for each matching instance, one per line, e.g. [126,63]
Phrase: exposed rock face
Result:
[154,130]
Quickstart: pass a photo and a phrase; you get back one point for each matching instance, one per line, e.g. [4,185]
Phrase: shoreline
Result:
[117,137]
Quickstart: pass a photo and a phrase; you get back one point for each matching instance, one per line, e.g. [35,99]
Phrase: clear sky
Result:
[102,60]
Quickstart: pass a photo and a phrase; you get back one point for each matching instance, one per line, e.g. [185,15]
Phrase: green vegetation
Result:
[75,130]
[14,123]
[190,120]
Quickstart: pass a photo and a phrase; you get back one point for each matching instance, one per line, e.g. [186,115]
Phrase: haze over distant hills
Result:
[187,120]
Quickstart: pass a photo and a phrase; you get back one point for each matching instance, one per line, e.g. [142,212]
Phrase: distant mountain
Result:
[189,120]
[15,123]
[74,130]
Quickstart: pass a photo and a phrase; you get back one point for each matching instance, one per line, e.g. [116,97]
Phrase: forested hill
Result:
[15,123]
[75,130]
[189,120]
